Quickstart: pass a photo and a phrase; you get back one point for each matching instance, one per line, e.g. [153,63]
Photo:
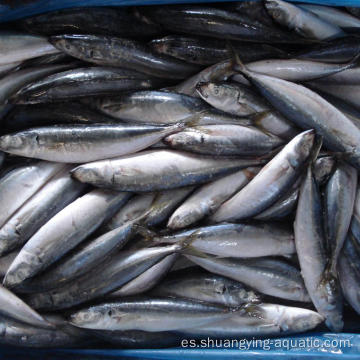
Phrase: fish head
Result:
[237,294]
[161,46]
[183,138]
[276,9]
[86,173]
[13,142]
[213,90]
[87,318]
[303,145]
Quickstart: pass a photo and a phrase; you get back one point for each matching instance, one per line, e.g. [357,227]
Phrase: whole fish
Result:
[334,16]
[22,182]
[203,286]
[13,307]
[148,314]
[320,281]
[208,198]
[105,278]
[154,107]
[212,22]
[21,46]
[270,183]
[14,81]
[76,222]
[274,277]
[23,117]
[336,51]
[57,193]
[303,22]
[80,261]
[82,82]
[207,51]
[80,144]
[236,240]
[91,20]
[309,110]
[137,339]
[129,54]
[13,333]
[240,100]
[340,196]
[224,140]
[261,319]
[155,170]
[147,280]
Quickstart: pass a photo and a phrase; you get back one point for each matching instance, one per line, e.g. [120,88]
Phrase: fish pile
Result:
[175,172]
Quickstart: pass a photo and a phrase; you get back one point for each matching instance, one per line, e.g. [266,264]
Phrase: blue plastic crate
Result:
[326,345]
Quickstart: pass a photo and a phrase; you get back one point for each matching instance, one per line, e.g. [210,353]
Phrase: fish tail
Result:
[237,64]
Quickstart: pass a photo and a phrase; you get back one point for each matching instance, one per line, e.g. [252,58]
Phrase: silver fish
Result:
[81,261]
[19,184]
[6,260]
[148,314]
[76,222]
[204,286]
[346,77]
[320,282]
[60,191]
[155,170]
[19,47]
[270,183]
[80,144]
[269,276]
[209,197]
[224,140]
[303,22]
[237,240]
[309,110]
[106,278]
[147,280]
[340,196]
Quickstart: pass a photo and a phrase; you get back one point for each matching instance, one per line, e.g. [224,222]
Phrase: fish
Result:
[105,278]
[200,285]
[155,170]
[321,282]
[76,143]
[23,117]
[82,82]
[338,131]
[303,22]
[80,261]
[22,182]
[14,81]
[75,221]
[340,194]
[6,260]
[335,16]
[7,68]
[120,21]
[13,307]
[147,280]
[13,333]
[261,319]
[224,140]
[270,276]
[57,58]
[347,77]
[240,100]
[217,23]
[154,107]
[355,220]
[135,314]
[270,183]
[236,240]
[208,51]
[130,54]
[17,46]
[57,193]
[208,198]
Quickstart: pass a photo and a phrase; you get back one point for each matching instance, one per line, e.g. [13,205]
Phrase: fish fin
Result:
[186,248]
[316,149]
[238,65]
[145,232]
